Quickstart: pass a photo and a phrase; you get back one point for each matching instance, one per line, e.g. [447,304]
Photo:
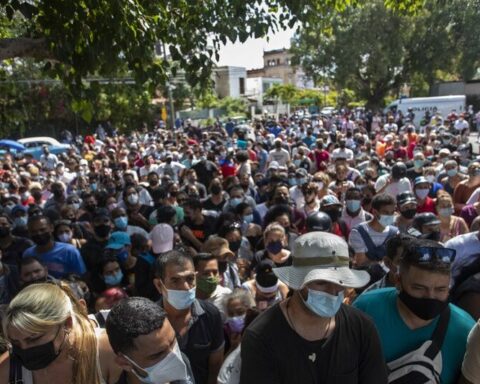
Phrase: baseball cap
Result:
[162,238]
[83,162]
[421,180]
[118,240]
[425,218]
[405,198]
[274,165]
[321,256]
[265,280]
[301,172]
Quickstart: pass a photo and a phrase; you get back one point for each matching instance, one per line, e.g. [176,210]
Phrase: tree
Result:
[373,49]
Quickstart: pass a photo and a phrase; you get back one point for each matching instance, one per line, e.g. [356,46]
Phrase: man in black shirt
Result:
[197,227]
[312,337]
[92,250]
[197,323]
[12,247]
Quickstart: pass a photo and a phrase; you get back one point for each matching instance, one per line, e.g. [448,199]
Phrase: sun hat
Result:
[162,238]
[321,256]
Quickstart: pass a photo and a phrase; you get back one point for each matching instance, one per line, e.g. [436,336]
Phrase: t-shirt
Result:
[63,259]
[273,353]
[13,253]
[355,240]
[282,157]
[471,362]
[395,188]
[398,339]
[467,246]
[230,371]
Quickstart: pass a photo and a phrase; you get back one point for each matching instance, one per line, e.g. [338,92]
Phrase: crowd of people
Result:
[334,249]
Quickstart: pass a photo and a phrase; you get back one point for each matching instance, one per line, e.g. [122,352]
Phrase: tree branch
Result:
[24,47]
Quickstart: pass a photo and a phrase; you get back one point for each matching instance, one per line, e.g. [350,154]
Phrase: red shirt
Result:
[427,206]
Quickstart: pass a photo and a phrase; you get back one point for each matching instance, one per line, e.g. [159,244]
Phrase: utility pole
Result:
[169,91]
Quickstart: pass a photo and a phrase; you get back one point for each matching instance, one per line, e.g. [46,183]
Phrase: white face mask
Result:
[133,198]
[170,368]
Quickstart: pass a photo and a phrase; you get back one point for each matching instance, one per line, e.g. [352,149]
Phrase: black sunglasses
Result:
[430,254]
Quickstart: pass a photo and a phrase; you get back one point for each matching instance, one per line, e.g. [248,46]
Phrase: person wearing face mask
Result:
[368,240]
[431,175]
[311,202]
[264,288]
[407,209]
[94,247]
[197,323]
[216,200]
[137,212]
[408,316]
[279,155]
[31,271]
[20,220]
[57,201]
[354,214]
[206,170]
[137,329]
[107,274]
[312,331]
[452,177]
[421,188]
[237,196]
[65,346]
[419,162]
[395,183]
[63,233]
[467,187]
[426,226]
[121,223]
[333,208]
[12,247]
[208,281]
[450,225]
[296,195]
[61,259]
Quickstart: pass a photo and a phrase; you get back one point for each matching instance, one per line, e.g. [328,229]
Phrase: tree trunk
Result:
[24,47]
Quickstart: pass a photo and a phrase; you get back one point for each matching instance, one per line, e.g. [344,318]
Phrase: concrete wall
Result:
[227,81]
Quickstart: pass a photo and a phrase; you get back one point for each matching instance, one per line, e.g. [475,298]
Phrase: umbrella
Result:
[12,145]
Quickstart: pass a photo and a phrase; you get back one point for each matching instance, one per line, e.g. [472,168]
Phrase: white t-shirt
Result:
[460,125]
[173,169]
[474,197]
[217,298]
[282,157]
[355,240]
[471,362]
[466,245]
[296,196]
[144,171]
[230,371]
[395,188]
[342,153]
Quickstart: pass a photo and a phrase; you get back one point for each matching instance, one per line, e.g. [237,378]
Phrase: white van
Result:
[419,105]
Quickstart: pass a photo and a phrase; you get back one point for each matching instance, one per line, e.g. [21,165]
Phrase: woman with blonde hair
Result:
[52,340]
[450,225]
[322,180]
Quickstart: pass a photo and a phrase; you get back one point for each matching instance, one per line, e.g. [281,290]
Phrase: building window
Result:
[241,83]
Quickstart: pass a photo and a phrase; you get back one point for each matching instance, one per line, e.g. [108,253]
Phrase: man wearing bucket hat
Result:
[306,338]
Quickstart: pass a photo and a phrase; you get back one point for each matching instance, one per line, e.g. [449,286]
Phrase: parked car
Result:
[34,146]
[327,111]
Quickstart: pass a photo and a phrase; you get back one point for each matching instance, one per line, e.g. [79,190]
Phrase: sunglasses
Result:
[430,254]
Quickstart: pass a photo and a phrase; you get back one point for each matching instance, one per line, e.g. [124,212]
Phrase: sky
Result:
[250,53]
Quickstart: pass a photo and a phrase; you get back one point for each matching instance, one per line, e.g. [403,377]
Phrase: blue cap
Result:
[118,240]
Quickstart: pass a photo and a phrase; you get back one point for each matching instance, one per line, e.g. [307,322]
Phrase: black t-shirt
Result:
[205,170]
[273,353]
[204,337]
[13,253]
[202,231]
[210,206]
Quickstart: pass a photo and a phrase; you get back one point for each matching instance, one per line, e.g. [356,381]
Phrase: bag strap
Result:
[366,238]
[100,319]
[439,334]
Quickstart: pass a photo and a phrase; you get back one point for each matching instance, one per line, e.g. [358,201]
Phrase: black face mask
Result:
[425,309]
[90,208]
[102,230]
[334,214]
[254,240]
[222,266]
[41,239]
[409,213]
[281,200]
[38,357]
[216,189]
[234,245]
[57,193]
[4,232]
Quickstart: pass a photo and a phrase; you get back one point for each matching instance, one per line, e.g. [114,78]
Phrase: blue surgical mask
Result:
[323,304]
[181,299]
[452,172]
[301,181]
[121,222]
[386,220]
[20,221]
[114,279]
[292,181]
[235,201]
[418,163]
[353,205]
[445,212]
[248,218]
[93,187]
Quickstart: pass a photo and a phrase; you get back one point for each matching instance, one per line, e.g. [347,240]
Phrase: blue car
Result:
[34,146]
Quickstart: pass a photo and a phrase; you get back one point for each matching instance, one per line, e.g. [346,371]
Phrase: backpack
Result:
[423,365]
[375,252]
